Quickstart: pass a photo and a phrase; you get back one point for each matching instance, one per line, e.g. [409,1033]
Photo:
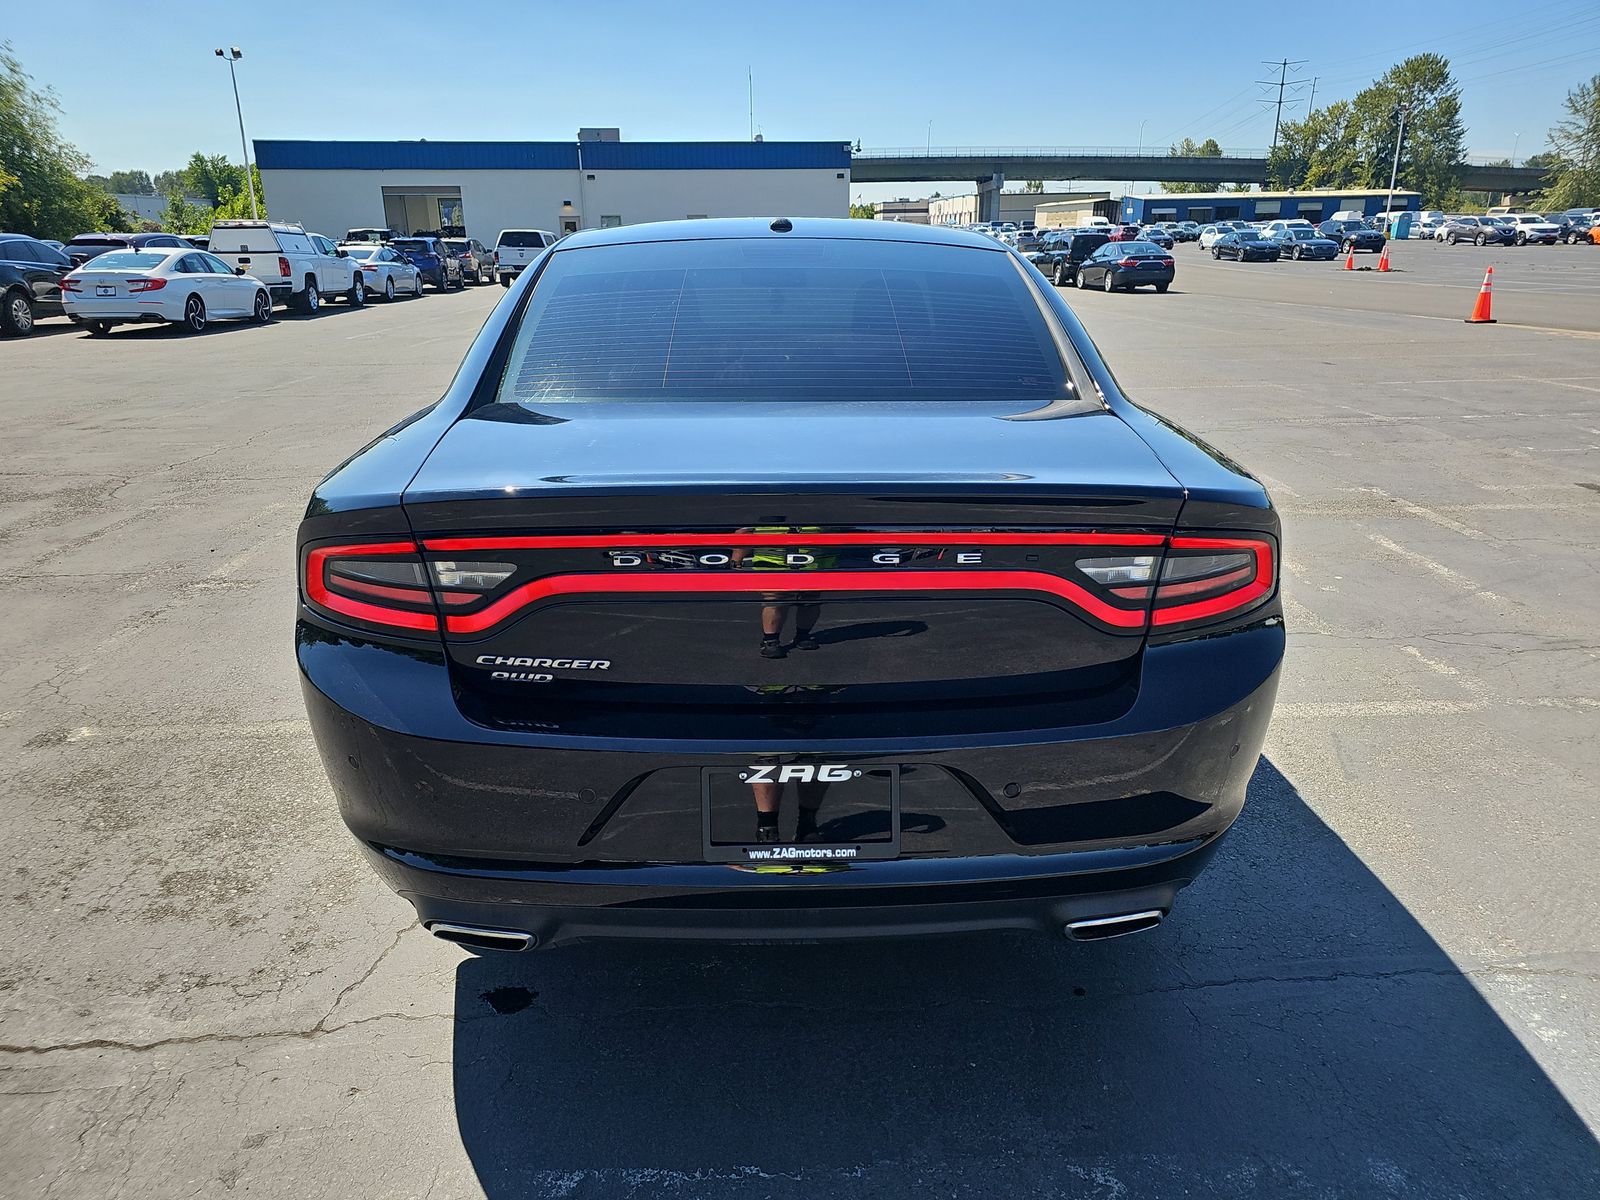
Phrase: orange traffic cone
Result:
[1383,259]
[1350,259]
[1480,310]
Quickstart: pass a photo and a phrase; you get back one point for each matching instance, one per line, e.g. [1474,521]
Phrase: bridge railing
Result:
[1471,160]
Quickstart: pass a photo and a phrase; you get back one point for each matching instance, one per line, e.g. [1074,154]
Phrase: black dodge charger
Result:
[787,580]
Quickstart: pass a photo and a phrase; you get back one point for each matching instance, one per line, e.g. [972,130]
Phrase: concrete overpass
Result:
[990,167]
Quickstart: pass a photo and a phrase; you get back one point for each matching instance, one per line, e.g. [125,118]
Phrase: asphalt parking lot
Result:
[1387,985]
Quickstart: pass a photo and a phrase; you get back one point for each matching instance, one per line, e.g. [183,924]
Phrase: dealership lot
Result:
[1386,984]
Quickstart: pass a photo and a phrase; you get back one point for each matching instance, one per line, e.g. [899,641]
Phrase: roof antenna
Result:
[782,225]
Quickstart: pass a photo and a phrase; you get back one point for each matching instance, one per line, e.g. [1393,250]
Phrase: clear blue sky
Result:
[140,88]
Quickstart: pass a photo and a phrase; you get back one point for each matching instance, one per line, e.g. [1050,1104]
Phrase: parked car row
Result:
[102,280]
[1089,257]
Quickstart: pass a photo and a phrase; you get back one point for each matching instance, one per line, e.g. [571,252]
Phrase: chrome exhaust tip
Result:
[1098,929]
[479,938]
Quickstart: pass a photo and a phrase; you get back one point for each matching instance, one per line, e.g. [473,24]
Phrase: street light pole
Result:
[232,55]
[1394,171]
[1515,138]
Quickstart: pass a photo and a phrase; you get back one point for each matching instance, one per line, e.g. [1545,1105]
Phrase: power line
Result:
[1283,82]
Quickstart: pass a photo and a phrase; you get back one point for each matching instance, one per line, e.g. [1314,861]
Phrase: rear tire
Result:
[1110,286]
[357,295]
[1162,288]
[1060,278]
[311,299]
[97,328]
[194,315]
[388,290]
[262,313]
[505,281]
[16,317]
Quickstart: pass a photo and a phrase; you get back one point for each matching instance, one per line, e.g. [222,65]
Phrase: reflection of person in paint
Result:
[769,802]
[776,605]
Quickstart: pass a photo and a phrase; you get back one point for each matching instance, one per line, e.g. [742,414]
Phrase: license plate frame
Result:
[105,289]
[845,811]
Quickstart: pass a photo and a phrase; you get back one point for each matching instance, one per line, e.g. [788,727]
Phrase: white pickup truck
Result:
[299,268]
[516,248]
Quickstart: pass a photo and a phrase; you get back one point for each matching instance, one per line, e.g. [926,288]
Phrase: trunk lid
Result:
[919,568]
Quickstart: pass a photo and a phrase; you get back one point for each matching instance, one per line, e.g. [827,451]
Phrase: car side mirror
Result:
[342,253]
[240,271]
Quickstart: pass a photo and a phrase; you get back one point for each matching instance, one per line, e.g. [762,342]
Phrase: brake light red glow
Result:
[283,266]
[146,285]
[1238,573]
[378,583]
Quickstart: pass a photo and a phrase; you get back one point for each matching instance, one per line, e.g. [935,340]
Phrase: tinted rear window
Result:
[521,240]
[801,319]
[412,245]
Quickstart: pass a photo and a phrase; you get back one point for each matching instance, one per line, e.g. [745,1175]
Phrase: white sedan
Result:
[1210,233]
[386,272]
[182,287]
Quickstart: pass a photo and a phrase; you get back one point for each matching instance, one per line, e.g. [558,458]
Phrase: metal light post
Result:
[232,55]
[1394,172]
[1515,138]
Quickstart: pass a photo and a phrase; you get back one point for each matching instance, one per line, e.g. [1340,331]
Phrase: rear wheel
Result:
[262,312]
[16,318]
[97,328]
[194,315]
[505,281]
[1109,285]
[418,292]
[358,292]
[388,290]
[310,299]
[1162,287]
[1060,278]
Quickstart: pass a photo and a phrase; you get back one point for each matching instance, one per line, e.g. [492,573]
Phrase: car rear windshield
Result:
[1141,249]
[521,240]
[412,245]
[360,253]
[129,260]
[96,244]
[782,320]
[453,245]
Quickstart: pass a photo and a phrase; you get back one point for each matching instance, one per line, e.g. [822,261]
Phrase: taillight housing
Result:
[376,584]
[283,266]
[1196,580]
[146,285]
[387,585]
[71,283]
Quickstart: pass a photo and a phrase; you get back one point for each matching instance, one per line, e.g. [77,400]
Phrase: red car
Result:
[1124,233]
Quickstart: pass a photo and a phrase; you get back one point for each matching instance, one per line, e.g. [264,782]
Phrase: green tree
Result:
[1435,136]
[1574,178]
[182,217]
[1189,149]
[42,191]
[234,203]
[130,183]
[863,212]
[168,182]
[1033,185]
[211,176]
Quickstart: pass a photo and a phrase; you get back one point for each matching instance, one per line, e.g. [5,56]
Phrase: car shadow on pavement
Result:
[1292,1031]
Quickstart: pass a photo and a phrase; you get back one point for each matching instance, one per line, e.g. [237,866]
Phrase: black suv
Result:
[1352,235]
[1062,252]
[30,282]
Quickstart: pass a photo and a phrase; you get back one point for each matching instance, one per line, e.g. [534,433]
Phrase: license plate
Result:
[801,814]
[105,289]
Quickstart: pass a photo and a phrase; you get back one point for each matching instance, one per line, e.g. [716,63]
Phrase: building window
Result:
[609,222]
[1268,208]
[1201,214]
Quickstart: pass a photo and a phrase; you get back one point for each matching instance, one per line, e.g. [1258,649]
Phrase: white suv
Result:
[516,248]
[1531,227]
[299,268]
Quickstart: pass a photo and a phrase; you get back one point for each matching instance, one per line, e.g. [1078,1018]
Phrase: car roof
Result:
[833,228]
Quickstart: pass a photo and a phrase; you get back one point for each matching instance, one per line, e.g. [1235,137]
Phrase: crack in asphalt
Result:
[323,1029]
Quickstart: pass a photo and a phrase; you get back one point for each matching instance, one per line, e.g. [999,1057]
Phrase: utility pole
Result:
[1282,83]
[750,83]
[1311,104]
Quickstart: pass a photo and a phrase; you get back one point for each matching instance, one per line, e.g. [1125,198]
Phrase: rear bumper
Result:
[568,838]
